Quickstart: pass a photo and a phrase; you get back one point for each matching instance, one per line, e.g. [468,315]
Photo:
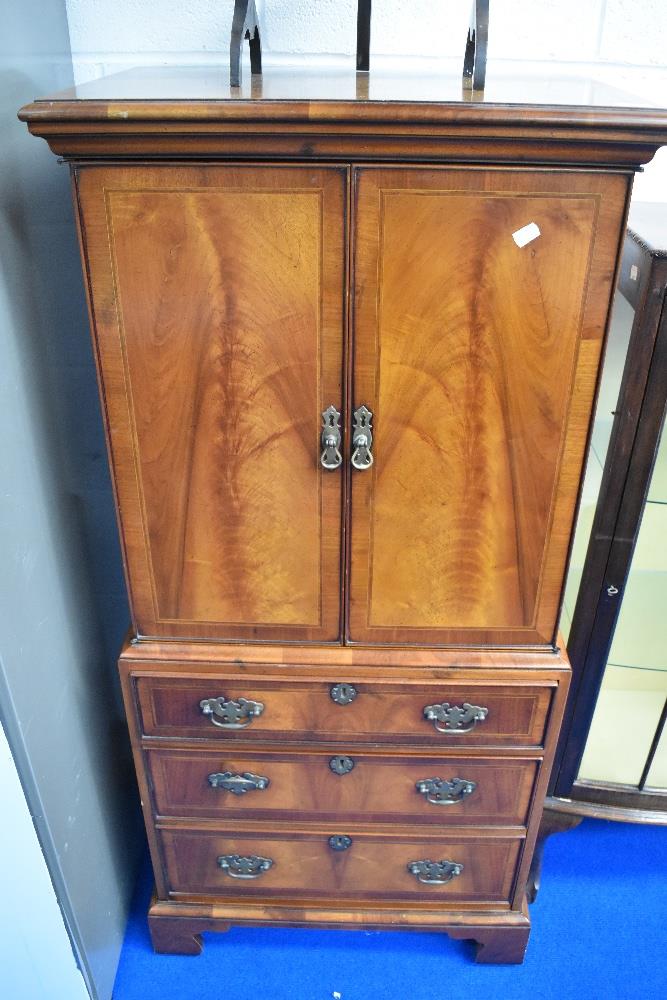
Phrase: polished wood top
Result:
[297,114]
[294,94]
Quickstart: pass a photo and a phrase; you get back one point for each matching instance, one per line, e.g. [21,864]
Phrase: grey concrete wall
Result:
[62,598]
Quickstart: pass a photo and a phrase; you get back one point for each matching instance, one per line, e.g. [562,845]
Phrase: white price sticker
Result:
[526,234]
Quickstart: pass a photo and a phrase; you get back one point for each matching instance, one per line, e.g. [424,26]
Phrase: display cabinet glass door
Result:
[629,715]
[614,745]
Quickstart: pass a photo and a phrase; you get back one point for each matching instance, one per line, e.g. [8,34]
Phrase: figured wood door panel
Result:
[478,358]
[217,301]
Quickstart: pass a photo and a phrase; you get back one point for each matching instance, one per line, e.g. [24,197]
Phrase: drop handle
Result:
[238,784]
[228,713]
[362,438]
[245,866]
[331,456]
[455,719]
[434,872]
[443,792]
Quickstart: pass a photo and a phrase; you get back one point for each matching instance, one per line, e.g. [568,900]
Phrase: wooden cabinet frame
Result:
[409,662]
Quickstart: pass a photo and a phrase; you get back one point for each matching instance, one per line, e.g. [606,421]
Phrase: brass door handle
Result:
[443,792]
[331,456]
[455,719]
[244,866]
[229,714]
[434,872]
[362,438]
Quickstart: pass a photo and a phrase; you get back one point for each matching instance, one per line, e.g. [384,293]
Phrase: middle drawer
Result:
[345,784]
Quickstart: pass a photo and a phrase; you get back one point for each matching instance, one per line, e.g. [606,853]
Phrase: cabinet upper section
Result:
[288,113]
[450,318]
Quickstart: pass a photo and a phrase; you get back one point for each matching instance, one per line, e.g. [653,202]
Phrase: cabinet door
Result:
[478,357]
[217,300]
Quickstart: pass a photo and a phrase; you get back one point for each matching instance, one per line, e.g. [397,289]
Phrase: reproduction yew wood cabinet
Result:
[348,348]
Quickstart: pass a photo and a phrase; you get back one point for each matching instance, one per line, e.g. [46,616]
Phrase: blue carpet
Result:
[599,932]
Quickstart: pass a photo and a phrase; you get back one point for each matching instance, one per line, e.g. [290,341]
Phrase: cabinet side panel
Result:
[477,341]
[218,305]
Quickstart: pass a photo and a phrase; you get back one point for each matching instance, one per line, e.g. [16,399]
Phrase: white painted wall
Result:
[619,37]
[63,609]
[36,957]
[621,42]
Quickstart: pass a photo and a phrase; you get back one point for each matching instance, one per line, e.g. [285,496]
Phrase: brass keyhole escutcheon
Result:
[340,842]
[343,694]
[341,764]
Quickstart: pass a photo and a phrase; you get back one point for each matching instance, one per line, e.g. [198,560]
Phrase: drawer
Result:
[304,865]
[347,785]
[445,714]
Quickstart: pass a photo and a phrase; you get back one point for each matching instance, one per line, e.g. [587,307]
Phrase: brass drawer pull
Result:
[238,784]
[443,792]
[231,714]
[455,718]
[343,694]
[331,457]
[362,439]
[244,866]
[434,872]
[341,764]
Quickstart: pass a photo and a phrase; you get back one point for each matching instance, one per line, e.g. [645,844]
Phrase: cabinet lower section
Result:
[329,787]
[500,936]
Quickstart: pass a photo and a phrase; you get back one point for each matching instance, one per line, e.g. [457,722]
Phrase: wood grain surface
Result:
[295,710]
[500,935]
[380,788]
[410,665]
[478,358]
[217,299]
[187,111]
[305,865]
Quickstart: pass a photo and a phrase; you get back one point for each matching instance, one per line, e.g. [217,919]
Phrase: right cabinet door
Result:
[480,301]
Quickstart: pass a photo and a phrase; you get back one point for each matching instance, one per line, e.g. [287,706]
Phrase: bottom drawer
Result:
[310,865]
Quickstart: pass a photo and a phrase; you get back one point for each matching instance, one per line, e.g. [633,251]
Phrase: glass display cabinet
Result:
[612,757]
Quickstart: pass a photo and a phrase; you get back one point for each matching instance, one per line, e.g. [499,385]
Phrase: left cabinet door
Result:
[217,298]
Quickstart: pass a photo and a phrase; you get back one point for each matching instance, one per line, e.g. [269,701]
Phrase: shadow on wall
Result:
[63,608]
[45,293]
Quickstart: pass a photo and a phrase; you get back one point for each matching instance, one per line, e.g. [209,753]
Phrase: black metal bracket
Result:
[245,24]
[363,35]
[474,60]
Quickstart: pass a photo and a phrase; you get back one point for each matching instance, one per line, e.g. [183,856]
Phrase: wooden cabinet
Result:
[347,350]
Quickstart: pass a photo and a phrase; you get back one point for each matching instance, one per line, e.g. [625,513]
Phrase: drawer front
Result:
[304,865]
[447,714]
[347,785]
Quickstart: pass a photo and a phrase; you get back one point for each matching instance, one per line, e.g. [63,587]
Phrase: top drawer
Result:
[446,713]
